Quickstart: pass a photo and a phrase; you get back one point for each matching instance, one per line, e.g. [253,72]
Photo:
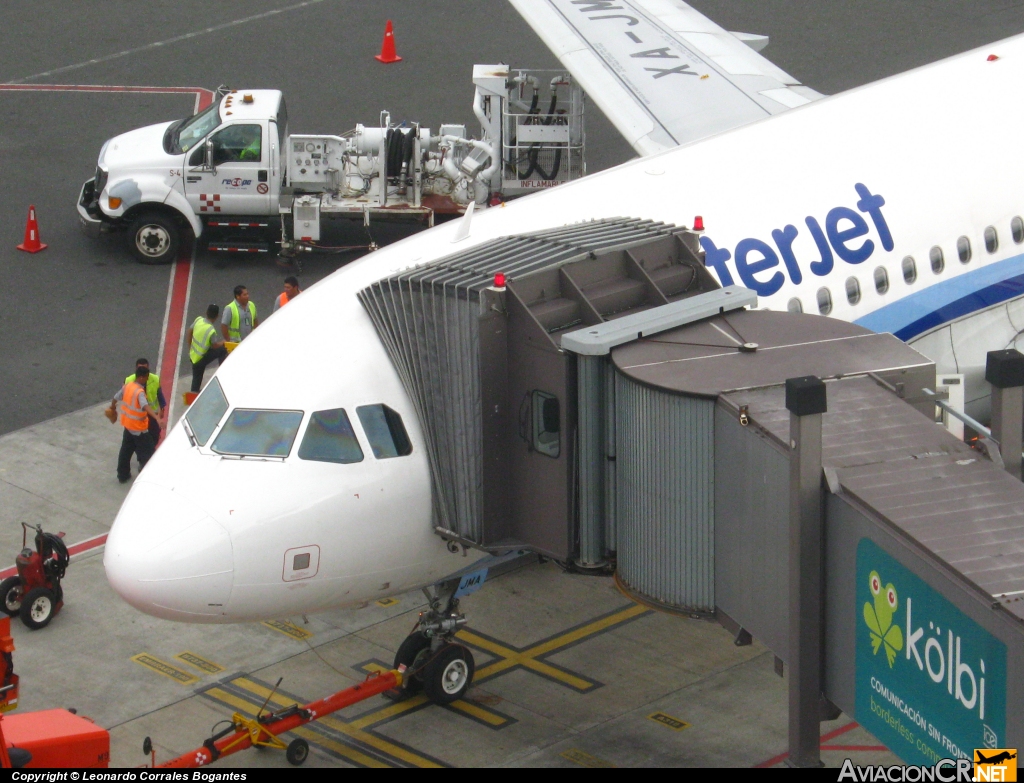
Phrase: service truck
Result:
[234,175]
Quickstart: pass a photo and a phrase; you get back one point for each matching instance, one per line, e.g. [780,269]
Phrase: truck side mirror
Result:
[209,156]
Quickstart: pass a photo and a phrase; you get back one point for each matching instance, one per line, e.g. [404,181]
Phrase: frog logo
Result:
[879,618]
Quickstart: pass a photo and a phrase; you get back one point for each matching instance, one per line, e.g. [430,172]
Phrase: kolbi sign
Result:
[931,683]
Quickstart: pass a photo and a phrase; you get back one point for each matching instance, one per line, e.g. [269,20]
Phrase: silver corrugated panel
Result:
[666,485]
[591,412]
[427,319]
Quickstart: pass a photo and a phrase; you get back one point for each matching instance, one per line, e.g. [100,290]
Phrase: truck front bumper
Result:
[89,215]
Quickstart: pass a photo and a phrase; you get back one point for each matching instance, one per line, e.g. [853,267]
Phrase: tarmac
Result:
[569,671]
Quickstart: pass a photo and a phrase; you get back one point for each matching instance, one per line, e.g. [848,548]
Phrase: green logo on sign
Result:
[879,617]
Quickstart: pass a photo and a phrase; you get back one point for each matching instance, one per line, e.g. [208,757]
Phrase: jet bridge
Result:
[612,406]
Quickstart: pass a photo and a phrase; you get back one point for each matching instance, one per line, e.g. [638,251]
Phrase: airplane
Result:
[998,757]
[894,205]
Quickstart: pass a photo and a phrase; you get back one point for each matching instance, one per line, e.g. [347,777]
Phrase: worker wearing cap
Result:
[291,290]
[155,398]
[135,412]
[239,316]
[205,345]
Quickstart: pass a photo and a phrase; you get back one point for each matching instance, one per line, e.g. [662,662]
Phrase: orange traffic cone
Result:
[32,243]
[387,49]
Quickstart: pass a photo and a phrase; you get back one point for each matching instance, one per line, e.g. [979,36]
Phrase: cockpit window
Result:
[385,431]
[258,433]
[206,412]
[330,438]
[195,128]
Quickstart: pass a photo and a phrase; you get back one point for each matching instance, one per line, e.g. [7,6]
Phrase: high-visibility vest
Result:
[133,415]
[282,300]
[152,389]
[203,333]
[233,334]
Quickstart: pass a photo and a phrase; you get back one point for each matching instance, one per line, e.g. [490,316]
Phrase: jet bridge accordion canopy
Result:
[470,356]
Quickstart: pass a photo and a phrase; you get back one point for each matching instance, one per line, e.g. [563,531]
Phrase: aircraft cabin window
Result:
[991,239]
[251,433]
[330,438]
[385,431]
[909,270]
[963,249]
[206,412]
[824,301]
[881,280]
[795,306]
[938,259]
[546,424]
[852,290]
[1017,229]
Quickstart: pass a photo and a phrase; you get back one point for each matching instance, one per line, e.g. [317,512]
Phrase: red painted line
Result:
[824,738]
[854,747]
[74,549]
[174,328]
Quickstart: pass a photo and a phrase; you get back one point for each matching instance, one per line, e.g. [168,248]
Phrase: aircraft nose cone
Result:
[167,557]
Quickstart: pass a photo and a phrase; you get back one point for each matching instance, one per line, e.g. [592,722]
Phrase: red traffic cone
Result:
[32,243]
[387,49]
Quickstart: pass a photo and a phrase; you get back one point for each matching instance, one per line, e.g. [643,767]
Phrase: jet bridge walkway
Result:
[613,407]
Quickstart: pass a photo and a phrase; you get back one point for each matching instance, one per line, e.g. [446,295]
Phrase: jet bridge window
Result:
[385,431]
[330,438]
[206,412]
[253,433]
[238,143]
[1017,230]
[881,280]
[937,259]
[991,239]
[824,301]
[909,267]
[963,250]
[546,424]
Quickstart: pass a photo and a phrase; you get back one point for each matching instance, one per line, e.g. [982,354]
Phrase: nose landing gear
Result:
[434,662]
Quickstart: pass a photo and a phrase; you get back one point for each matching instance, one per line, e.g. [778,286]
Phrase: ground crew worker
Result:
[135,413]
[239,316]
[205,345]
[155,397]
[291,290]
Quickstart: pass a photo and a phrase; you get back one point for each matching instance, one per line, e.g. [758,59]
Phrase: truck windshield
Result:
[195,128]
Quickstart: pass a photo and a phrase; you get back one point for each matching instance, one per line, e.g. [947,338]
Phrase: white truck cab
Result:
[233,168]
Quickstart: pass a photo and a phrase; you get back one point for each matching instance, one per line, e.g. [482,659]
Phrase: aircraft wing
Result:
[662,72]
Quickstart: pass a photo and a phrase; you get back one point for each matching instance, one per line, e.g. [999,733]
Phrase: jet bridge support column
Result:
[1005,371]
[806,401]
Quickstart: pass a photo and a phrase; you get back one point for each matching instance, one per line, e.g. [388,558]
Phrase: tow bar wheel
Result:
[11,595]
[297,751]
[448,675]
[37,608]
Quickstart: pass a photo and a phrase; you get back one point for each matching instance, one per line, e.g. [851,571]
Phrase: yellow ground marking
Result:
[473,710]
[584,759]
[164,668]
[289,629]
[198,662]
[527,658]
[667,720]
[387,602]
[349,729]
[312,737]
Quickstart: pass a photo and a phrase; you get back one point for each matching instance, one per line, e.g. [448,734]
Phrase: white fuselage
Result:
[204,538]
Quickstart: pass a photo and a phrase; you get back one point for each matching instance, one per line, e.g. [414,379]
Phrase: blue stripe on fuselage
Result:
[940,303]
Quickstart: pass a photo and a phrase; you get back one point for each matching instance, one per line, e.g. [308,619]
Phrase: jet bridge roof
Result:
[917,478]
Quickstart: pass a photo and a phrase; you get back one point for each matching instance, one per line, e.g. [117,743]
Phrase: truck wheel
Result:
[37,608]
[154,238]
[10,596]
[297,751]
[448,675]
